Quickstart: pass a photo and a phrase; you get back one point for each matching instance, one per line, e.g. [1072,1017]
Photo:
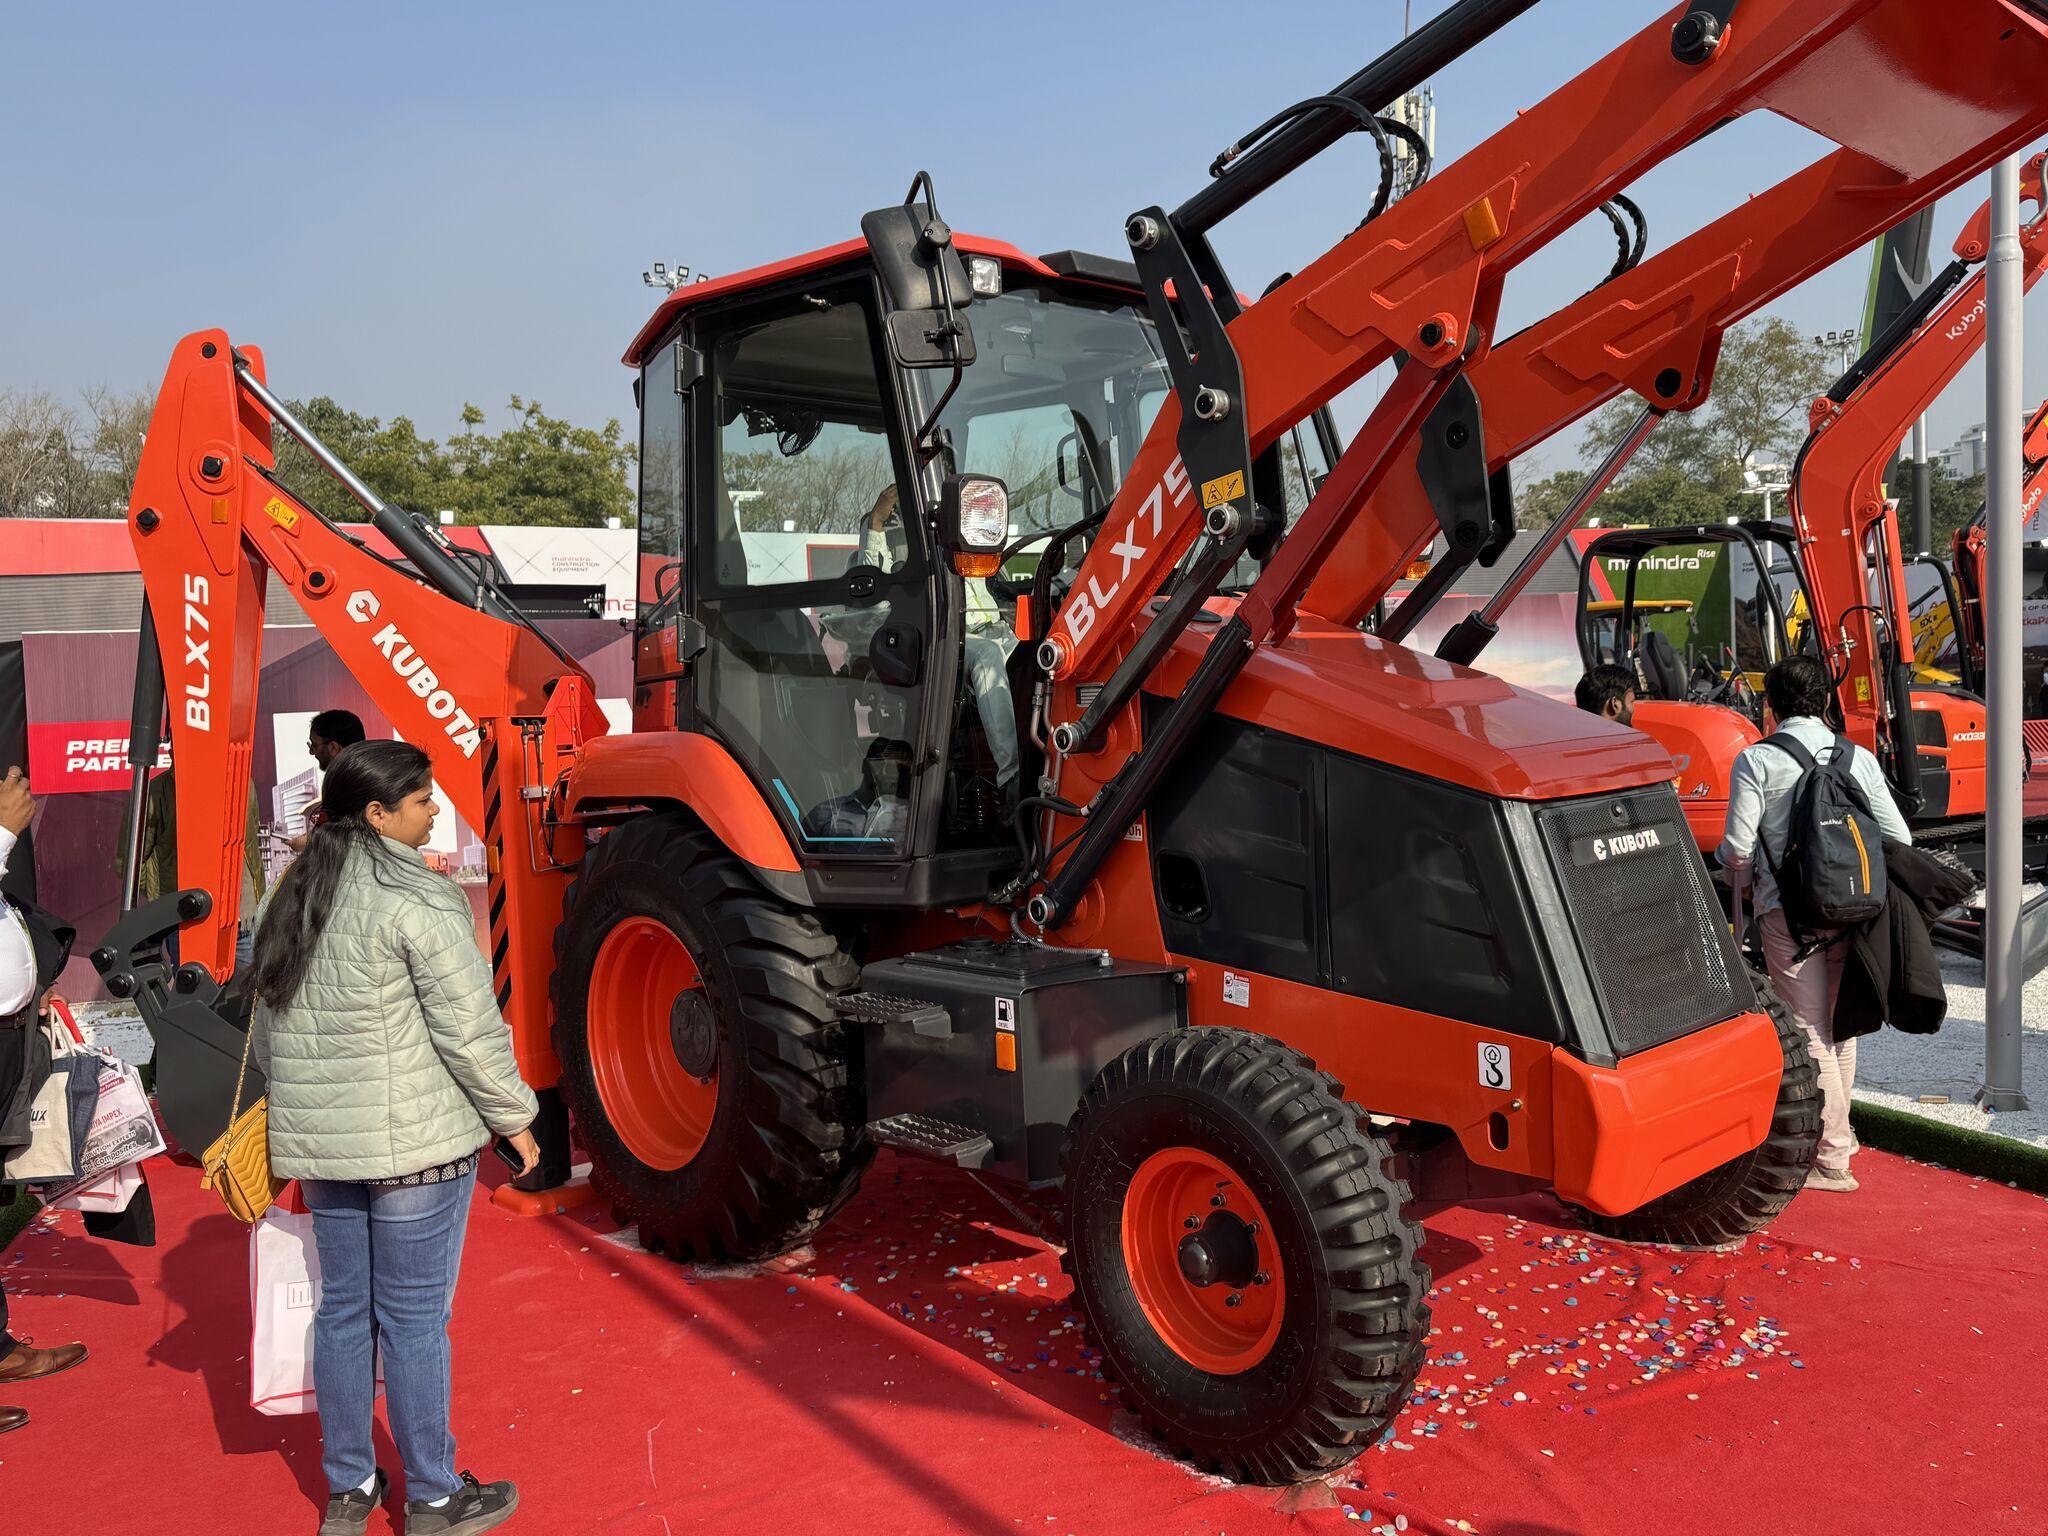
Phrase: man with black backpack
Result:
[1808,815]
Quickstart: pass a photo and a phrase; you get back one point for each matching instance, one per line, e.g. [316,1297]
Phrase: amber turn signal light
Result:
[968,563]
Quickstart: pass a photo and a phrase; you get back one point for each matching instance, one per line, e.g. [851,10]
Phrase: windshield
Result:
[1057,402]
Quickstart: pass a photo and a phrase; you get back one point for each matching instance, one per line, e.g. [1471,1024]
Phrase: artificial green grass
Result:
[16,1216]
[1951,1146]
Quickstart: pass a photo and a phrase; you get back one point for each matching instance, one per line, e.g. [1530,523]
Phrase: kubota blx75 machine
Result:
[1009,781]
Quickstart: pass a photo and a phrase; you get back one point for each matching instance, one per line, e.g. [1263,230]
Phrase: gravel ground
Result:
[1896,1070]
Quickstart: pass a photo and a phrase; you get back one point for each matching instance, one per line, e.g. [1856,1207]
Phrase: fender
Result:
[1704,741]
[691,770]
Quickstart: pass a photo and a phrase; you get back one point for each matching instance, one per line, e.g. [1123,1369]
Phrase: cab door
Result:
[809,588]
[659,635]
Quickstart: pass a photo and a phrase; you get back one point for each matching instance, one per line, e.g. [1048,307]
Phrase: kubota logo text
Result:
[1083,605]
[1962,327]
[413,670]
[198,644]
[1626,842]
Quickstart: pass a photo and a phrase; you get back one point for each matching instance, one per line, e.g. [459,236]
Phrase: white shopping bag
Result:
[111,1194]
[284,1291]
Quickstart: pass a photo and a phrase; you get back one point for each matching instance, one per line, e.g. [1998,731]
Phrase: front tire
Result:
[1746,1193]
[1240,1253]
[713,1086]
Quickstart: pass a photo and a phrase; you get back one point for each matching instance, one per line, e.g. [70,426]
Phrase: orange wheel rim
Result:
[660,1111]
[1202,1259]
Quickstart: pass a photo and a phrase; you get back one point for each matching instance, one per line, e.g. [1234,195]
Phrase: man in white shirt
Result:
[19,1361]
[1798,690]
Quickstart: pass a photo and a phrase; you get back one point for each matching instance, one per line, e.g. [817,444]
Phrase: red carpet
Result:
[1874,1364]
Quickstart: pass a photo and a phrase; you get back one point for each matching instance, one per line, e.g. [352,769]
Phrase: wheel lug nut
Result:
[1216,1200]
[1191,1223]
[1234,1299]
[1261,1278]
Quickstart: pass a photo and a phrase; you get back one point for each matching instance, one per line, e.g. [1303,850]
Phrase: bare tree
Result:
[115,447]
[42,473]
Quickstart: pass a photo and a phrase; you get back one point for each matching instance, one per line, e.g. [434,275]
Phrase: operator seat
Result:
[1663,673]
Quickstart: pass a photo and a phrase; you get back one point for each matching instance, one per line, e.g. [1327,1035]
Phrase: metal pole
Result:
[1464,642]
[1923,492]
[2004,961]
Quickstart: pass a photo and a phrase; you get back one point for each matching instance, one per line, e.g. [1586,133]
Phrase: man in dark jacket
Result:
[31,954]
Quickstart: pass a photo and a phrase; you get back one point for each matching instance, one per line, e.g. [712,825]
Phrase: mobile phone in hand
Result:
[508,1154]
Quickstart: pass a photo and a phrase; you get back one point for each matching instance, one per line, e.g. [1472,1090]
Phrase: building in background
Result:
[1965,456]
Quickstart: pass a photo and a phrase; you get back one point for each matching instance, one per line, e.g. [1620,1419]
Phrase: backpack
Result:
[1832,874]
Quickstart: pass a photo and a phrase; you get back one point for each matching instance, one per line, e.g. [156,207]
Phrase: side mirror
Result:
[974,522]
[924,282]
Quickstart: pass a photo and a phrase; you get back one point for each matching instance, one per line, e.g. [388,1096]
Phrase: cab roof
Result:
[1059,266]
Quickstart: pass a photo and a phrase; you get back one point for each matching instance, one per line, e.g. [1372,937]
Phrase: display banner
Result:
[79,756]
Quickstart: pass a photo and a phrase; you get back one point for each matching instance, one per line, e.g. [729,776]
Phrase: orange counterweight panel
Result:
[1627,1134]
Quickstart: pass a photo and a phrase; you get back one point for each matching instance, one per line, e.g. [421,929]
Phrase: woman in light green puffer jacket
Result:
[389,1067]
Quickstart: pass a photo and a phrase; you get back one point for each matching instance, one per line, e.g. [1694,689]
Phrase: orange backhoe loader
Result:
[1242,927]
[1831,580]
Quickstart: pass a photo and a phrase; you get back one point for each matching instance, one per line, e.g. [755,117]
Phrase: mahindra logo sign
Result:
[411,669]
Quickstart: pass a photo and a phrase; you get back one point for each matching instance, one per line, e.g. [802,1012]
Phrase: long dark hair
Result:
[368,773]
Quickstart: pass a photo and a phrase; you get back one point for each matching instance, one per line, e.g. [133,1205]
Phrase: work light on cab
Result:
[974,519]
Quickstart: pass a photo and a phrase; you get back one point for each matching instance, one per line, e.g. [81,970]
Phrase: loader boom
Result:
[1423,280]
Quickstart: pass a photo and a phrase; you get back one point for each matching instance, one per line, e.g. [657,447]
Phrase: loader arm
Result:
[1424,280]
[493,704]
[1847,527]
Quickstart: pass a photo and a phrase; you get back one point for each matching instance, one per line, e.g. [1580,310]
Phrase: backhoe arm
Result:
[495,707]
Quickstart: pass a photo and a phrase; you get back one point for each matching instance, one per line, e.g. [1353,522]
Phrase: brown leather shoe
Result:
[24,1363]
[12,1418]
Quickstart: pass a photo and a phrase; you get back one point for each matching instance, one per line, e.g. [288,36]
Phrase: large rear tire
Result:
[1746,1193]
[714,1088]
[1240,1253]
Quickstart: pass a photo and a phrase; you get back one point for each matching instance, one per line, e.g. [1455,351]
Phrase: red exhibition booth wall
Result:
[79,688]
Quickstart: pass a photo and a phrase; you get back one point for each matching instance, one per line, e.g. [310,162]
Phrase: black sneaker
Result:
[348,1514]
[472,1508]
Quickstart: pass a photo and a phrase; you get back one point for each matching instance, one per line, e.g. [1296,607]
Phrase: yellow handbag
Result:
[237,1166]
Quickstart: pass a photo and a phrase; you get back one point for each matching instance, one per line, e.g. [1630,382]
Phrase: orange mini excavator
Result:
[1831,580]
[1009,783]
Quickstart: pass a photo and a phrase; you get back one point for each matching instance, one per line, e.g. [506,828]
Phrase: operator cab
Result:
[1699,613]
[813,439]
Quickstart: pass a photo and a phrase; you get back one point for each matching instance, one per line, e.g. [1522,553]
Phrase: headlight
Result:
[984,515]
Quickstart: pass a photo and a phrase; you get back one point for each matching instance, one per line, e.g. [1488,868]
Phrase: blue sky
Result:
[413,206]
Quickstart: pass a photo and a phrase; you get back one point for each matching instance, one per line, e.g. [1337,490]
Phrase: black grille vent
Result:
[1653,936]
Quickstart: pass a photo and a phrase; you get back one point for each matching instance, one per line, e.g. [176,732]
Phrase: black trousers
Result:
[6,1338]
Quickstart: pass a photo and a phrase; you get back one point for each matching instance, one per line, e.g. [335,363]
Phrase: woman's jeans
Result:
[388,1261]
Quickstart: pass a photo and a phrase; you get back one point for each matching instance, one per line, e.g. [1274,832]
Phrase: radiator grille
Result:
[1653,936]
